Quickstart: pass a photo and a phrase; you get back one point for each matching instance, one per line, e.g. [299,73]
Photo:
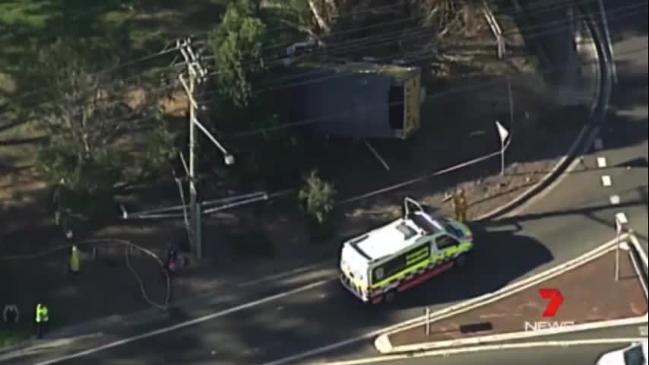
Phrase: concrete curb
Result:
[484,348]
[383,344]
[643,254]
[520,335]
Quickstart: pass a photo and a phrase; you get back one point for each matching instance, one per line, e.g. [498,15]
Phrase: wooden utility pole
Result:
[196,74]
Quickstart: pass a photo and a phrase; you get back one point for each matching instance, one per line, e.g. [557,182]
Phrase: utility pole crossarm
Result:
[212,138]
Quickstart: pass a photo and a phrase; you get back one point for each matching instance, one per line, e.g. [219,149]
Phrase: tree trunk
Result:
[318,17]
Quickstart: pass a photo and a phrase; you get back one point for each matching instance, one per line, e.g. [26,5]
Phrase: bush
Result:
[316,198]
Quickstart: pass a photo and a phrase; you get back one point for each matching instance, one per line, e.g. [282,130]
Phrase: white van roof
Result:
[395,236]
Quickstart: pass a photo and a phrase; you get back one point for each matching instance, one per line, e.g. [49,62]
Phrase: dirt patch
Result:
[584,302]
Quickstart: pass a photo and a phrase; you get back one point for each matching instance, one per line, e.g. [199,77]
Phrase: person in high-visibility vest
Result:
[41,319]
[74,260]
[460,205]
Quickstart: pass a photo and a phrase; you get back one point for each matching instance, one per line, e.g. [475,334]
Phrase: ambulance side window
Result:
[378,274]
[388,268]
[445,241]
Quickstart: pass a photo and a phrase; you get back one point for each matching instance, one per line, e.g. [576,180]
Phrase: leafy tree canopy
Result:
[237,47]
[102,132]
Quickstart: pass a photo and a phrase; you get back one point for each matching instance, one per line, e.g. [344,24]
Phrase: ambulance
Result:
[377,265]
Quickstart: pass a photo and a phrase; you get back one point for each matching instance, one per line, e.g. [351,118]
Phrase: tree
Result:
[237,47]
[317,197]
[100,135]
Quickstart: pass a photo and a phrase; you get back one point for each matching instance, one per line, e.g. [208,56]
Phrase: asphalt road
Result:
[574,217]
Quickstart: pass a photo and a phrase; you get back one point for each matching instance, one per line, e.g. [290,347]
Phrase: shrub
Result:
[317,198]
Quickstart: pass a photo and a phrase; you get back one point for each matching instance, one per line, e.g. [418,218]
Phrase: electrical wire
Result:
[168,50]
[540,30]
[554,27]
[309,121]
[548,28]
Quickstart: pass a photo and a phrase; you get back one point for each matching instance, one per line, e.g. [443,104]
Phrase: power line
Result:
[168,50]
[552,27]
[105,71]
[338,48]
[473,87]
[418,179]
[505,11]
[399,21]
[540,30]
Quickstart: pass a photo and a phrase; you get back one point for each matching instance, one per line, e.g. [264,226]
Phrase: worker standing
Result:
[74,264]
[172,257]
[41,319]
[460,205]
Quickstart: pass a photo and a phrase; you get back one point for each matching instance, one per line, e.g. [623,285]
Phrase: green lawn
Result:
[132,27]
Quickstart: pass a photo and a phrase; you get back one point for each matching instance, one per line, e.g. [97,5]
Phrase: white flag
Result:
[502,132]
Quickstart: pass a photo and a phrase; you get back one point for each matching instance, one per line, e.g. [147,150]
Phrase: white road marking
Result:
[281,275]
[607,181]
[599,144]
[472,349]
[46,345]
[185,324]
[601,162]
[614,199]
[643,331]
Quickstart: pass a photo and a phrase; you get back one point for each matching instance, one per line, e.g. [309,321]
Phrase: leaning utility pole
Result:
[196,74]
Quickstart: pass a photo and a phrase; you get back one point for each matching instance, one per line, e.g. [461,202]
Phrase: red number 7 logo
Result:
[555,298]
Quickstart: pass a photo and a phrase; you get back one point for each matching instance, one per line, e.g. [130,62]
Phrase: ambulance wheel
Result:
[390,296]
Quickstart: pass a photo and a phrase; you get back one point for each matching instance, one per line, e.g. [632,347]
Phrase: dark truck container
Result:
[357,99]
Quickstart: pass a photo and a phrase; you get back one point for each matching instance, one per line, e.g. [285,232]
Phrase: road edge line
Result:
[184,324]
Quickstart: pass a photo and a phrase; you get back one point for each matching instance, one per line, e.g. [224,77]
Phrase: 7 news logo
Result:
[555,300]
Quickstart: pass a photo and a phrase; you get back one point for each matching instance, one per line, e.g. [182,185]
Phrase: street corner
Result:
[602,289]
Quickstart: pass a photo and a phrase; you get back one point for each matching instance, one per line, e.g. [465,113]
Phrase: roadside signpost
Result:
[503,133]
[620,225]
